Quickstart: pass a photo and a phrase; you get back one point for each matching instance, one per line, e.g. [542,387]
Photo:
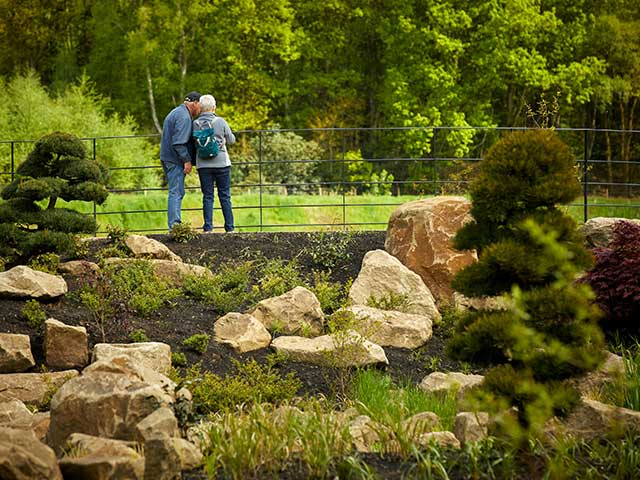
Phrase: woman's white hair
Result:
[207,103]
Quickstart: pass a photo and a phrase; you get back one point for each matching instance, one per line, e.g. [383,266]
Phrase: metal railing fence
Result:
[338,168]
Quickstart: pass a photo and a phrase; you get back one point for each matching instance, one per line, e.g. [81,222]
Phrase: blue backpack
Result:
[206,144]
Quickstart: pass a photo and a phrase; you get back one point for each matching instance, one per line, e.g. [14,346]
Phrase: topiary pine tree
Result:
[57,167]
[530,251]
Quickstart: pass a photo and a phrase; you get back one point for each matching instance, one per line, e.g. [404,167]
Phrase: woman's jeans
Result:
[221,177]
[174,174]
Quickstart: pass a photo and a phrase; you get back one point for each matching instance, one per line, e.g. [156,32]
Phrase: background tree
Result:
[530,251]
[56,168]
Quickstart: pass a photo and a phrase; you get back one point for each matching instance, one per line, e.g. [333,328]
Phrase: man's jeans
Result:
[221,177]
[174,173]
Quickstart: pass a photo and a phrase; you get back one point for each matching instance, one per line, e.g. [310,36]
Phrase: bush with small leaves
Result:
[178,359]
[138,336]
[182,233]
[57,167]
[45,262]
[34,314]
[198,342]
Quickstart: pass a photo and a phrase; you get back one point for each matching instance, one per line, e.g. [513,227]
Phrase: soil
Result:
[186,316]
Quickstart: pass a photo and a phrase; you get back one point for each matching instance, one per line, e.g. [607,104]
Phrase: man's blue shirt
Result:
[176,145]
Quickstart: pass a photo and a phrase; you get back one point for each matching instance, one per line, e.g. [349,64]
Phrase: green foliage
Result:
[138,336]
[327,250]
[624,391]
[198,342]
[33,313]
[45,262]
[45,173]
[228,290]
[277,276]
[178,359]
[182,233]
[399,302]
[331,295]
[251,383]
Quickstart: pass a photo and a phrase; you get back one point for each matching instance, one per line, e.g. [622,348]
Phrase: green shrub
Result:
[198,342]
[277,276]
[399,302]
[227,290]
[45,262]
[182,233]
[178,359]
[329,249]
[252,383]
[331,295]
[138,336]
[33,313]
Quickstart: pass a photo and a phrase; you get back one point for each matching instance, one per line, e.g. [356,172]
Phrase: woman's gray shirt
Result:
[223,134]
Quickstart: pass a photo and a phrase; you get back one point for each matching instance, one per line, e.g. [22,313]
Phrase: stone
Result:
[389,328]
[162,421]
[79,268]
[460,302]
[23,456]
[108,400]
[419,234]
[166,457]
[145,247]
[592,383]
[598,231]
[420,423]
[242,332]
[438,382]
[296,312]
[94,458]
[15,353]
[33,388]
[383,275]
[349,349]
[471,426]
[15,414]
[364,433]
[24,282]
[592,419]
[153,355]
[442,439]
[65,346]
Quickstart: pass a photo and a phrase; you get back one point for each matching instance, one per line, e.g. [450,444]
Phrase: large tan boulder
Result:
[24,457]
[297,312]
[108,400]
[439,382]
[145,247]
[346,349]
[598,231]
[383,276]
[33,388]
[419,234]
[24,282]
[243,332]
[389,328]
[166,457]
[162,420]
[15,353]
[14,414]
[153,355]
[65,346]
[471,426]
[441,439]
[95,458]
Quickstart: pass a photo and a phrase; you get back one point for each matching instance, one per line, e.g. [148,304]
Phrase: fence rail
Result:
[336,169]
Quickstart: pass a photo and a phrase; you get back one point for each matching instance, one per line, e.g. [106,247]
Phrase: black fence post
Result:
[585,179]
[95,212]
[434,149]
[260,173]
[13,162]
[344,187]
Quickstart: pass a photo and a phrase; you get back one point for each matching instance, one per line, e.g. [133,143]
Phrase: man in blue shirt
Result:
[177,152]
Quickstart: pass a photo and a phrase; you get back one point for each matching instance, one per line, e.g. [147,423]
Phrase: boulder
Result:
[347,349]
[598,231]
[364,433]
[391,328]
[295,312]
[79,268]
[460,302]
[145,247]
[419,234]
[471,426]
[15,414]
[442,439]
[592,383]
[15,353]
[383,275]
[33,388]
[94,458]
[166,457]
[23,456]
[243,332]
[108,400]
[438,382]
[420,423]
[153,355]
[65,346]
[24,282]
[162,421]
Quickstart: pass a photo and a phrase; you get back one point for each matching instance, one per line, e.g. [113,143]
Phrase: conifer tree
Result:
[531,252]
[30,223]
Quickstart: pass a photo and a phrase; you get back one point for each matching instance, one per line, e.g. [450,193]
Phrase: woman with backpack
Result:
[212,134]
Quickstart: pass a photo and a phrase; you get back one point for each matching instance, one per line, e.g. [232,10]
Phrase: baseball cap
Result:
[192,97]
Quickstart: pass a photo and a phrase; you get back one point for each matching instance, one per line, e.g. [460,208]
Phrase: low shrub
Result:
[327,250]
[182,233]
[45,262]
[198,342]
[33,313]
[138,336]
[178,359]
[331,295]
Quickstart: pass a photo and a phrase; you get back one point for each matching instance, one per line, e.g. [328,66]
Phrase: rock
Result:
[15,353]
[15,414]
[364,433]
[171,271]
[243,332]
[420,423]
[161,421]
[438,382]
[33,388]
[24,282]
[598,231]
[79,268]
[95,458]
[419,234]
[383,275]
[145,247]
[166,457]
[442,439]
[295,312]
[108,400]
[391,328]
[591,384]
[471,426]
[460,302]
[65,346]
[348,349]
[153,355]
[23,456]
